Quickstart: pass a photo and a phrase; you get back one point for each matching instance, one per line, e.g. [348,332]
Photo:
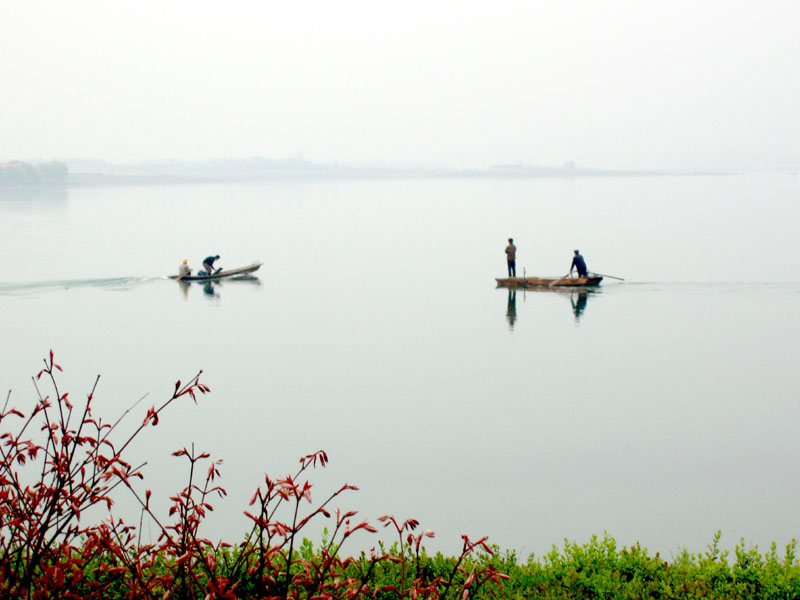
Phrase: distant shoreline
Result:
[95,173]
[87,179]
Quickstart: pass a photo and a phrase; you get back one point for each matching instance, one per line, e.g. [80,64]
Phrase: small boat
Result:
[219,274]
[543,282]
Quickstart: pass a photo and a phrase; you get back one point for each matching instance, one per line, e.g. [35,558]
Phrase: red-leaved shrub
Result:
[60,462]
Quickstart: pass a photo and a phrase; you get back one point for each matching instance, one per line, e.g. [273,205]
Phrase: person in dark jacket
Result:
[208,263]
[511,258]
[579,264]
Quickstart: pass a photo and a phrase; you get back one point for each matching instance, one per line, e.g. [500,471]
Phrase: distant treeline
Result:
[99,172]
[91,172]
[247,169]
[22,173]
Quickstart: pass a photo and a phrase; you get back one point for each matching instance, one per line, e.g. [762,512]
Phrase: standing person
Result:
[184,269]
[578,263]
[511,258]
[208,263]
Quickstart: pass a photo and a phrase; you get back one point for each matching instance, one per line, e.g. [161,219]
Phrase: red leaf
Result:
[307,492]
[151,414]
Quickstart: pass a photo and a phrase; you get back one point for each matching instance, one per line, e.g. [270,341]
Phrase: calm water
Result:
[660,409]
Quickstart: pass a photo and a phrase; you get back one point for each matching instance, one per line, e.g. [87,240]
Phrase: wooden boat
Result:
[219,274]
[544,282]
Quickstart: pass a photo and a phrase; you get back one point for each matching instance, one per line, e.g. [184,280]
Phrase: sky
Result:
[618,84]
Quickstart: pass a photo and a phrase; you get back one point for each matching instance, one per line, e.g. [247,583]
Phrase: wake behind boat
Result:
[542,282]
[219,274]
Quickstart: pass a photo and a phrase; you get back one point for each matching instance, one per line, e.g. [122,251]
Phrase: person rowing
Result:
[208,264]
[184,269]
[579,264]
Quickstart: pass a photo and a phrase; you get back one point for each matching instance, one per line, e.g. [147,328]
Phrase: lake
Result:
[660,410]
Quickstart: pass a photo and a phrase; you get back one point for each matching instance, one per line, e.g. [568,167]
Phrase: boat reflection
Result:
[511,311]
[578,299]
[211,288]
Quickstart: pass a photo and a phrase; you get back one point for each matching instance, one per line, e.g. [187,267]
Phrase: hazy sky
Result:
[614,84]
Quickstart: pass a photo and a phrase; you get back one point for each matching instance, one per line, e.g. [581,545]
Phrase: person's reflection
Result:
[208,288]
[511,311]
[185,285]
[579,303]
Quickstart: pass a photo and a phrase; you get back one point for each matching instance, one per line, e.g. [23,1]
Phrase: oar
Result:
[180,276]
[552,283]
[609,276]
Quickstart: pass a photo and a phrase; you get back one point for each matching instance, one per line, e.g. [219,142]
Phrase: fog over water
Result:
[660,409]
[621,84]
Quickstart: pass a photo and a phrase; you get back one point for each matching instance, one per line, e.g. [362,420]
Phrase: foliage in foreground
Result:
[59,462]
[600,569]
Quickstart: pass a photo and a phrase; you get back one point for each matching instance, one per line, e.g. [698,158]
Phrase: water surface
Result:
[660,409]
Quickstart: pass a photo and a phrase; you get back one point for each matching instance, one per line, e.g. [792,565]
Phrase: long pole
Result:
[609,276]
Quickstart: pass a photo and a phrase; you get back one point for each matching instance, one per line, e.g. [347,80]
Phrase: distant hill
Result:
[19,173]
